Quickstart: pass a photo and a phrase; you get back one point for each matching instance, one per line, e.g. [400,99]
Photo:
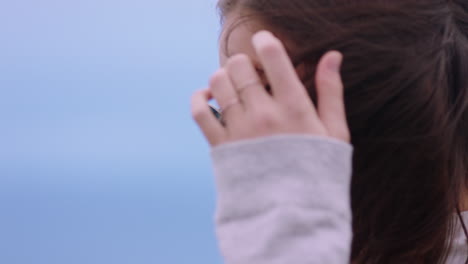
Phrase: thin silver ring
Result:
[228,105]
[248,84]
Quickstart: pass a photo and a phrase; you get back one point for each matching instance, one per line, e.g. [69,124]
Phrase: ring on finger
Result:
[248,84]
[223,110]
[234,101]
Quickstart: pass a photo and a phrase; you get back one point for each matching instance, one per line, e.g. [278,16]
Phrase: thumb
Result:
[331,107]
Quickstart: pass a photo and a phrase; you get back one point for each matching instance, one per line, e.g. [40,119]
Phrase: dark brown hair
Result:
[405,73]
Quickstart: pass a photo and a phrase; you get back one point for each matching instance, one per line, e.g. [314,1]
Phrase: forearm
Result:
[283,199]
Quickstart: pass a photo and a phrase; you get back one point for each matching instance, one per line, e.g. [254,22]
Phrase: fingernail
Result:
[334,63]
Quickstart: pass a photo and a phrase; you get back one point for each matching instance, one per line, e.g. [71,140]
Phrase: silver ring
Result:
[248,84]
[228,105]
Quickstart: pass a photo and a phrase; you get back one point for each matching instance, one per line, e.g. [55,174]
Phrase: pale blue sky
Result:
[100,161]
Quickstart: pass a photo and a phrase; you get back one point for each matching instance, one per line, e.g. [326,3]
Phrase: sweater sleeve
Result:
[283,199]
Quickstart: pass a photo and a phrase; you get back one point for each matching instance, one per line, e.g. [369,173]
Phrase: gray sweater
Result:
[286,199]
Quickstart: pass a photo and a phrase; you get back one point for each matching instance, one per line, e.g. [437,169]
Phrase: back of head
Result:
[406,93]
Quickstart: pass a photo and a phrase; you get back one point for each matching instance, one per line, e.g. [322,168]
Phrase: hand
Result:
[249,111]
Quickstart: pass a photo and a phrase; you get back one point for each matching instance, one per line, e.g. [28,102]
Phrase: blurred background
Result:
[100,161]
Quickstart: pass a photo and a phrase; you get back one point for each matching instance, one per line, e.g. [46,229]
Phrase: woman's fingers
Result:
[247,82]
[201,113]
[331,108]
[226,95]
[249,111]
[286,86]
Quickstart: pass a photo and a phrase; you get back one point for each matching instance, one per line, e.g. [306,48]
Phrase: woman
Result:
[281,160]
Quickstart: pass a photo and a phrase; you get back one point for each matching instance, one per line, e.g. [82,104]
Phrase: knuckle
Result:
[265,119]
[198,114]
[194,98]
[325,80]
[299,112]
[216,78]
[238,59]
[329,81]
[297,106]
